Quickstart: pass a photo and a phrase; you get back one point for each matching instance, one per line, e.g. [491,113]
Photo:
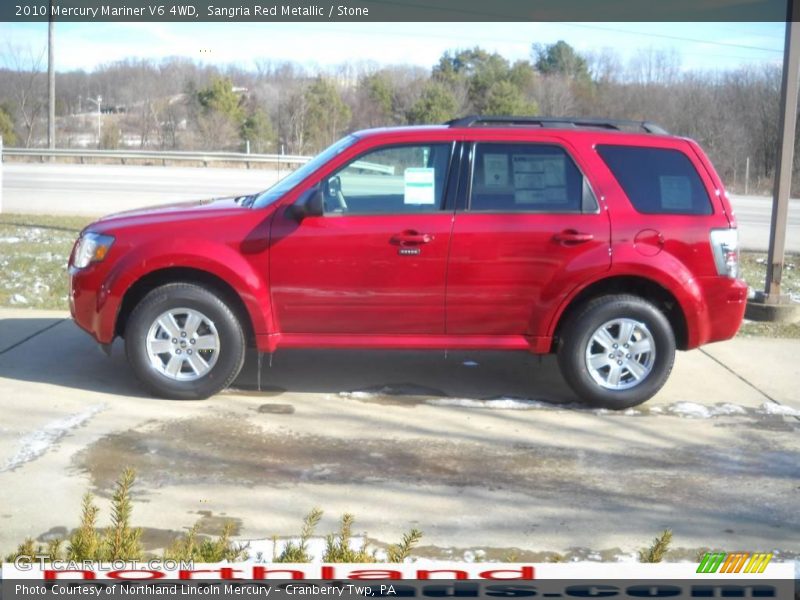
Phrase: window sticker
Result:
[528,180]
[529,196]
[539,178]
[418,184]
[495,170]
[527,163]
[676,192]
[554,169]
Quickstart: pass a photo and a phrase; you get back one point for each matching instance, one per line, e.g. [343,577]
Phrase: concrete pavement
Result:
[480,450]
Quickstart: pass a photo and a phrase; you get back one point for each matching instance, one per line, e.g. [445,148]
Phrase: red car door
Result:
[375,261]
[529,230]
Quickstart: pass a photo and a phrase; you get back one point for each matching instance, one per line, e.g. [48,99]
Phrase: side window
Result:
[390,180]
[528,178]
[657,180]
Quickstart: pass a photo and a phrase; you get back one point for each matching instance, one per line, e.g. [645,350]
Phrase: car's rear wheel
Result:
[616,351]
[184,343]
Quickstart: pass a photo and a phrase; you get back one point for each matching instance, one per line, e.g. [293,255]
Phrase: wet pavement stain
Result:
[213,450]
[55,533]
[228,451]
[211,524]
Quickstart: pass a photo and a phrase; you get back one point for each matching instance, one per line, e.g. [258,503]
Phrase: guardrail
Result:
[177,156]
[158,156]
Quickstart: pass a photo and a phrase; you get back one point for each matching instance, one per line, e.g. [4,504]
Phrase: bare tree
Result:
[27,84]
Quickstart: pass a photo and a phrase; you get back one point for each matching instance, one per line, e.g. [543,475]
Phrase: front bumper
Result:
[92,307]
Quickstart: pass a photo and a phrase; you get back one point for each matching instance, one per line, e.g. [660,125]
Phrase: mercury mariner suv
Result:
[610,243]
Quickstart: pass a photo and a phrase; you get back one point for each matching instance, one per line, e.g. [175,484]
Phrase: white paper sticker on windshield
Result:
[419,186]
[676,192]
[495,170]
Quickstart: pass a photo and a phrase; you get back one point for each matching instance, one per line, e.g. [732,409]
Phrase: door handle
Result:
[411,238]
[569,237]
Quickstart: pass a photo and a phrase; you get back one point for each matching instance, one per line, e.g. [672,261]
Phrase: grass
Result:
[34,250]
[33,259]
[754,270]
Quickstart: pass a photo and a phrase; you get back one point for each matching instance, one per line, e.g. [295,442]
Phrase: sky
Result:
[704,46]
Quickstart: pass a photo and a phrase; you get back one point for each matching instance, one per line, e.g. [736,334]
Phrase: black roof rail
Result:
[558,122]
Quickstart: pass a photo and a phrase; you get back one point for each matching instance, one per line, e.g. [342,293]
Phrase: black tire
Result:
[229,354]
[577,333]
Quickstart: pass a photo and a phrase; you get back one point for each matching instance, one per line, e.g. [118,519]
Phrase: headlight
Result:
[92,247]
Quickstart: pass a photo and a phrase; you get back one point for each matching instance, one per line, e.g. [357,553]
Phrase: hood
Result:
[179,211]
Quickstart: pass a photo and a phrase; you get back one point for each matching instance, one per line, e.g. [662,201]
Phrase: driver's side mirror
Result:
[310,204]
[334,185]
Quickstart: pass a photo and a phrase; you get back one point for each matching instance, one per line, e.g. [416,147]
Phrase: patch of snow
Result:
[772,408]
[10,240]
[39,287]
[476,555]
[727,408]
[692,410]
[36,443]
[18,299]
[632,557]
[263,550]
[357,395]
[470,363]
[497,403]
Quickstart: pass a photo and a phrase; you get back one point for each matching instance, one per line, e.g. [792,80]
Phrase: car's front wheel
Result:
[616,351]
[184,343]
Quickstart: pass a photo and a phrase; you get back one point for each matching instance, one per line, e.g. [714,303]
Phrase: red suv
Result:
[610,243]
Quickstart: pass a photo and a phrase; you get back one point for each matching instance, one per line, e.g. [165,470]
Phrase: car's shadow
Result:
[58,353]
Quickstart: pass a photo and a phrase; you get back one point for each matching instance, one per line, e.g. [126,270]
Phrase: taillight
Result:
[725,246]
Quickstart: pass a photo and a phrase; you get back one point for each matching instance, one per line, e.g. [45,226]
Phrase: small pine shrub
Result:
[26,549]
[655,553]
[338,549]
[298,552]
[206,550]
[29,549]
[84,543]
[122,542]
[400,552]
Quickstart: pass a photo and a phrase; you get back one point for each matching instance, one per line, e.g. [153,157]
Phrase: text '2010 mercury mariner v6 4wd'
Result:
[609,243]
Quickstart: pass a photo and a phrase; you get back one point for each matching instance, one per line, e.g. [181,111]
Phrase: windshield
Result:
[269,196]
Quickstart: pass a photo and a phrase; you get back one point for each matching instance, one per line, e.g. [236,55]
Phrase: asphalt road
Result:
[103,189]
[485,452]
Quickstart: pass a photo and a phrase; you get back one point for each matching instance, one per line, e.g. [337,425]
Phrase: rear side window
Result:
[657,180]
[527,178]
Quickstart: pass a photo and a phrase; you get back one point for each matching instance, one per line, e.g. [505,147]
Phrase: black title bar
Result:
[190,11]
